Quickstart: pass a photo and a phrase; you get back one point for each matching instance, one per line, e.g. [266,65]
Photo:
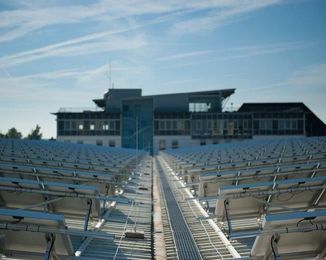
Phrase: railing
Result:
[79,109]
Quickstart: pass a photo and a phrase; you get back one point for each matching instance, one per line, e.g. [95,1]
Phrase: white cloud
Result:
[309,77]
[95,43]
[235,53]
[35,15]
[221,15]
[186,55]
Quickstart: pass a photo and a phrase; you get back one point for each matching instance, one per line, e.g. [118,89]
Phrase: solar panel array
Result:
[62,200]
[268,196]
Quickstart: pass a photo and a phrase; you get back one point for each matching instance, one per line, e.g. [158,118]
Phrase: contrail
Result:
[7,72]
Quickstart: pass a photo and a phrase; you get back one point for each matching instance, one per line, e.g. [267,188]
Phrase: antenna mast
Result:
[109,74]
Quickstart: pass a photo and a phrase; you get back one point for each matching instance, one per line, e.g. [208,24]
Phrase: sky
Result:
[57,53]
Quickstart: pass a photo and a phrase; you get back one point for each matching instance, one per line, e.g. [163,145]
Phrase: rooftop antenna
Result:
[109,74]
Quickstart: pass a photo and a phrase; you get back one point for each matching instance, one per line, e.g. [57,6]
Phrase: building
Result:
[125,118]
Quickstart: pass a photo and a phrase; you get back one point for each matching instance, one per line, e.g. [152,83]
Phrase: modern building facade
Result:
[125,118]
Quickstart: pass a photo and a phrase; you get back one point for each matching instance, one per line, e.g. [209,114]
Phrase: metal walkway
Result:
[186,247]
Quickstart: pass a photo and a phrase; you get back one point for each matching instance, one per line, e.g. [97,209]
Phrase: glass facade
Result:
[278,123]
[137,124]
[88,124]
[221,125]
[172,124]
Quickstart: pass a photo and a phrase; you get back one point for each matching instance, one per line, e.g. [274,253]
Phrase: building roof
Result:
[274,107]
[99,102]
[223,92]
[314,125]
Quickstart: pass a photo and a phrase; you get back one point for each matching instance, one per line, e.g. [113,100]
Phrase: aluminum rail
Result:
[186,246]
[67,194]
[55,230]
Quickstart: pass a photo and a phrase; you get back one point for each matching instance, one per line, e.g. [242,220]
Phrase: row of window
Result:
[279,124]
[171,124]
[90,116]
[200,107]
[220,116]
[67,125]
[111,143]
[88,133]
[221,128]
[219,125]
[175,143]
[162,144]
[278,132]
[171,127]
[278,115]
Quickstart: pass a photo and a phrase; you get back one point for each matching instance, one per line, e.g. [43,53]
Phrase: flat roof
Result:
[225,93]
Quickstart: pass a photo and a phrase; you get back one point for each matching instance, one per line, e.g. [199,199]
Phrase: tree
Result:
[13,133]
[35,133]
[2,135]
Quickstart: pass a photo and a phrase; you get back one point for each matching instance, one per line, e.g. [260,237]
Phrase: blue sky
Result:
[56,53]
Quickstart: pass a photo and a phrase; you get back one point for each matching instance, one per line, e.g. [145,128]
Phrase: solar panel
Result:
[78,184]
[254,178]
[297,233]
[36,231]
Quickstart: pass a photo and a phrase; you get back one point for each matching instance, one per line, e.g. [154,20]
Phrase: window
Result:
[245,124]
[230,130]
[288,124]
[216,127]
[265,124]
[112,143]
[240,124]
[209,124]
[105,126]
[92,127]
[67,125]
[168,125]
[174,125]
[111,125]
[175,144]
[191,107]
[256,124]
[161,144]
[199,107]
[198,125]
[60,125]
[117,125]
[162,124]
[181,124]
[281,124]
[275,124]
[99,142]
[80,126]
[156,122]
[86,125]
